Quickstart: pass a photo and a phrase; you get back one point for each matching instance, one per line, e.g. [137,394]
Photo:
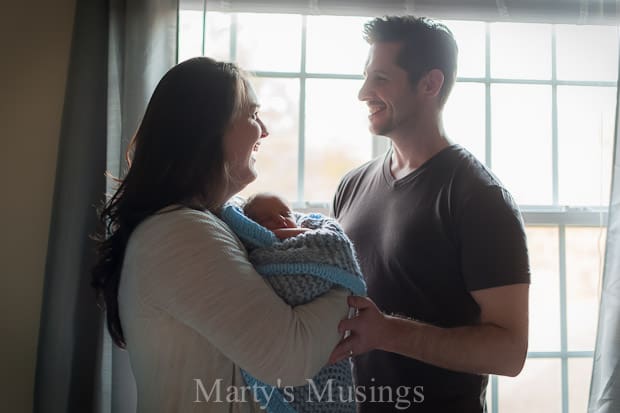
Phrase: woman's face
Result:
[241,140]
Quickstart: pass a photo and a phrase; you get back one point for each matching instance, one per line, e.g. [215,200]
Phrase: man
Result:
[440,241]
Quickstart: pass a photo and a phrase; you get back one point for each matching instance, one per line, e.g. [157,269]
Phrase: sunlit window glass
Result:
[584,266]
[543,247]
[520,50]
[276,160]
[464,117]
[470,38]
[537,389]
[190,34]
[586,118]
[521,143]
[335,45]
[579,374]
[489,396]
[269,42]
[587,52]
[217,36]
[337,136]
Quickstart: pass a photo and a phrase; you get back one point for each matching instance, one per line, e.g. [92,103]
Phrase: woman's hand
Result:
[369,330]
[283,233]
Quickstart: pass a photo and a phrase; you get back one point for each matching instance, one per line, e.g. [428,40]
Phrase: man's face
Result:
[392,101]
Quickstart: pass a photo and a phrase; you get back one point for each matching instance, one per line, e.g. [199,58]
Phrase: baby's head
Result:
[270,211]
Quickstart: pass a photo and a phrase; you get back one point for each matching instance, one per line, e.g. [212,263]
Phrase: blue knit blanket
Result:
[300,269]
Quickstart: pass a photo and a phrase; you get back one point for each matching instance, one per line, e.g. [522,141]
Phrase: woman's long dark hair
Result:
[175,157]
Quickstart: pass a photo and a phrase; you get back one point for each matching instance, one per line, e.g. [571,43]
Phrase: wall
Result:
[35,40]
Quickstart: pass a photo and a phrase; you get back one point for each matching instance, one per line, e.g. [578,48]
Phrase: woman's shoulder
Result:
[181,222]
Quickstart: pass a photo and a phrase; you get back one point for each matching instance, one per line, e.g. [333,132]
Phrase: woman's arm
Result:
[197,272]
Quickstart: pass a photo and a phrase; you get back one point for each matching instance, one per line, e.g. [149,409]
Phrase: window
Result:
[535,102]
[307,87]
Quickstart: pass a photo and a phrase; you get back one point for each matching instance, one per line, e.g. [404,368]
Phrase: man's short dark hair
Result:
[427,45]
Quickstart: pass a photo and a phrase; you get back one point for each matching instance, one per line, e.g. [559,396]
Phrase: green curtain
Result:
[120,49]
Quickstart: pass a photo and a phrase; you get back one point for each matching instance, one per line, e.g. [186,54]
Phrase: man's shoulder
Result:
[475,186]
[469,171]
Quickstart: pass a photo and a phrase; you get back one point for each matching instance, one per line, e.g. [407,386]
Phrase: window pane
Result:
[586,117]
[337,136]
[328,37]
[587,52]
[217,36]
[276,161]
[269,42]
[579,374]
[470,38]
[585,250]
[521,50]
[536,390]
[464,116]
[521,141]
[190,34]
[543,247]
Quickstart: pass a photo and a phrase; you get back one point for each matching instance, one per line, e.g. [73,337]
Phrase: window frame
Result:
[555,215]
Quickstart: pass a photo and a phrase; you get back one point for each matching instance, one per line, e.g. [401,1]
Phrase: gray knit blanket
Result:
[301,269]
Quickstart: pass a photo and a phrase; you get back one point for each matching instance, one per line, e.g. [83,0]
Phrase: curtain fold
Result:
[120,49]
[142,47]
[69,326]
[605,384]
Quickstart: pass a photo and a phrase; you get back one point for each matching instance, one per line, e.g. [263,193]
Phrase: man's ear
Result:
[431,82]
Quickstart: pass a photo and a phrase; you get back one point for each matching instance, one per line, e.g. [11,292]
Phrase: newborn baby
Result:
[273,213]
[299,269]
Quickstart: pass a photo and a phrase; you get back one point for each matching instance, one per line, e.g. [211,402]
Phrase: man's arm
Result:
[498,345]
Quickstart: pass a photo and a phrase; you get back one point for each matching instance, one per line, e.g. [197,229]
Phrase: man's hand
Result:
[368,329]
[497,345]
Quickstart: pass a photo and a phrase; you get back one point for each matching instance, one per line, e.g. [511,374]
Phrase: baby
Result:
[273,213]
[299,269]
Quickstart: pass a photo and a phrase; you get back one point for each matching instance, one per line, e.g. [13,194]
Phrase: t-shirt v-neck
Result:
[395,183]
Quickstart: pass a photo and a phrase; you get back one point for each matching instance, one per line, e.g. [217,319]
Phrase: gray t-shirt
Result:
[424,242]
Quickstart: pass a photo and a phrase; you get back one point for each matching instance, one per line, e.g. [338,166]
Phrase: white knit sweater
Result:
[193,310]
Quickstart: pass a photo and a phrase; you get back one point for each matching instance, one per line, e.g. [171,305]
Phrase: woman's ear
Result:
[432,82]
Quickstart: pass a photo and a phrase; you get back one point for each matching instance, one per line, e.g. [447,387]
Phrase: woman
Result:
[179,292]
